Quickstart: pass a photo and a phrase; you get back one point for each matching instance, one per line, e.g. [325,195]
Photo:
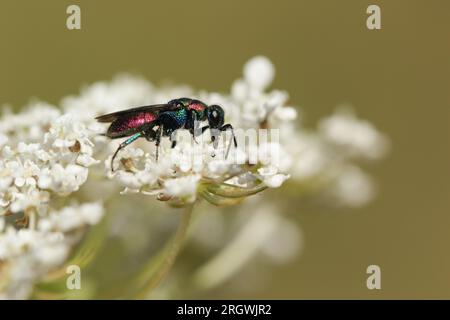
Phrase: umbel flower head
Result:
[223,175]
[44,156]
[56,177]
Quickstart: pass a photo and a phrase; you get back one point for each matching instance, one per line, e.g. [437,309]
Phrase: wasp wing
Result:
[111,117]
[131,123]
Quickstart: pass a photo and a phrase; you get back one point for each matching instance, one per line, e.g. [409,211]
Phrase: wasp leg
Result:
[197,132]
[149,134]
[203,129]
[173,139]
[193,125]
[227,127]
[159,133]
[130,140]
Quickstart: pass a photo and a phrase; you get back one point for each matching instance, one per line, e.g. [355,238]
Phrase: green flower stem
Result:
[227,262]
[168,258]
[231,191]
[218,200]
[55,282]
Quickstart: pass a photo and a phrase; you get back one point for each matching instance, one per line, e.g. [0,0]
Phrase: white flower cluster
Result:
[47,153]
[324,159]
[29,253]
[44,155]
[181,171]
[327,158]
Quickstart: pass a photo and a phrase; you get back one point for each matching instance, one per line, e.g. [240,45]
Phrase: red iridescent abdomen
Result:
[126,125]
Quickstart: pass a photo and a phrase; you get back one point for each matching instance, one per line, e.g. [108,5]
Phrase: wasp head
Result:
[215,116]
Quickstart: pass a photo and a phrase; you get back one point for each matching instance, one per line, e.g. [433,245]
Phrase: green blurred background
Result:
[397,77]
